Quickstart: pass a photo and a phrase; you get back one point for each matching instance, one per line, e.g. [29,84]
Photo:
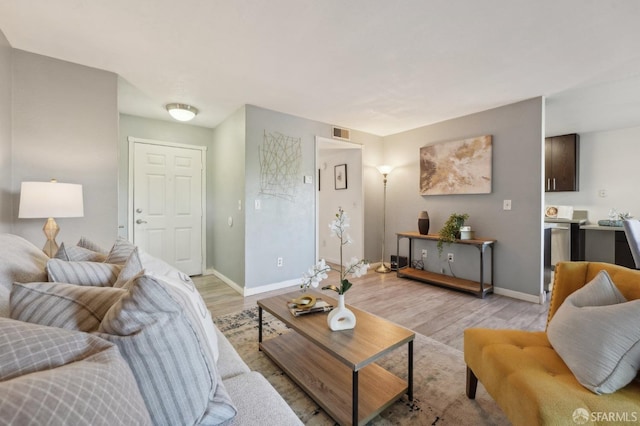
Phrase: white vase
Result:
[341,318]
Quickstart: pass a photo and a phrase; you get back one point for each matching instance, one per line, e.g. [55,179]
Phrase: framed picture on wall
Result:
[340,176]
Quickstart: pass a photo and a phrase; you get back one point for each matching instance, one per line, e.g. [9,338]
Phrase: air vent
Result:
[340,133]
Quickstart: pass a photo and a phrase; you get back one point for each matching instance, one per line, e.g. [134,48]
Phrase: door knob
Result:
[140,221]
[138,210]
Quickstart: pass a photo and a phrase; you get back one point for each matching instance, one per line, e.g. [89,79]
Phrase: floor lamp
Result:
[49,200]
[385,170]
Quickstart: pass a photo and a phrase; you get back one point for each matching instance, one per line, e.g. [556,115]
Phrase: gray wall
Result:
[517,131]
[6,201]
[281,228]
[247,251]
[159,130]
[65,126]
[225,189]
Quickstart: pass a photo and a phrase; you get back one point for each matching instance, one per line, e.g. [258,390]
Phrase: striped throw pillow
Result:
[120,251]
[61,305]
[82,273]
[78,254]
[140,260]
[168,352]
[90,245]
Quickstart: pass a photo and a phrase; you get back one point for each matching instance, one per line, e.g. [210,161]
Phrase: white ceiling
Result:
[379,66]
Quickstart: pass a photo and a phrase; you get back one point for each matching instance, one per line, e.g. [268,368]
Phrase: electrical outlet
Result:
[506,205]
[424,253]
[258,205]
[279,262]
[450,257]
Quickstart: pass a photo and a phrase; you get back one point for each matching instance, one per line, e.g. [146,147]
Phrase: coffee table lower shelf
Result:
[329,382]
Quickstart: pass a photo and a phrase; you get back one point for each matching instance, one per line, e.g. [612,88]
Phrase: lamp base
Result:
[383,269]
[51,230]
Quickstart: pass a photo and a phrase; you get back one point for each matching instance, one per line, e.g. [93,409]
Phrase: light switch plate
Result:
[506,205]
[308,179]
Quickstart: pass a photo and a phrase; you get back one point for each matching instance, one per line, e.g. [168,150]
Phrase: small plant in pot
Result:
[451,230]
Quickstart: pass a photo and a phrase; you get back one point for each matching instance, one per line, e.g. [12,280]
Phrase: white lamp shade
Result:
[385,169]
[50,199]
[182,112]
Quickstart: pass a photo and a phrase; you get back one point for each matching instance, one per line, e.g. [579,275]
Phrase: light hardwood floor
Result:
[439,313]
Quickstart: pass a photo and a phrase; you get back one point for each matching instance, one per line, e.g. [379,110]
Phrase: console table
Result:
[479,288]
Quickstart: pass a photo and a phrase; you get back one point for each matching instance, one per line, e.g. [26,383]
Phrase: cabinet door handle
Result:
[548,184]
[554,184]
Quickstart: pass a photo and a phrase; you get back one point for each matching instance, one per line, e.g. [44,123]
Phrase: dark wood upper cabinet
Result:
[561,163]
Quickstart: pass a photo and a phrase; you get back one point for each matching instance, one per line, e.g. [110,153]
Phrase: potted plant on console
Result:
[450,232]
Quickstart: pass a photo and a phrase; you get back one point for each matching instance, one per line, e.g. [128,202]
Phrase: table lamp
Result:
[49,200]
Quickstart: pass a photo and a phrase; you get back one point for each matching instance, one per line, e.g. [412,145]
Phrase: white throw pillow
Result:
[595,331]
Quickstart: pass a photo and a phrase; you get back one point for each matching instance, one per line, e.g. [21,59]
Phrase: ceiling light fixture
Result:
[182,112]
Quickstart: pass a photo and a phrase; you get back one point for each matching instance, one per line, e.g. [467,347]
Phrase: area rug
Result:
[439,379]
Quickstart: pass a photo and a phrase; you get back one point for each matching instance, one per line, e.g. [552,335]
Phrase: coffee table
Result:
[337,368]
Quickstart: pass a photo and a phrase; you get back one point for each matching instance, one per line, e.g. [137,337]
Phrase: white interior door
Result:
[168,203]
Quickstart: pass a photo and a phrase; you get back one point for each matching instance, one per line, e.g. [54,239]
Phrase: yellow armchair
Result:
[529,380]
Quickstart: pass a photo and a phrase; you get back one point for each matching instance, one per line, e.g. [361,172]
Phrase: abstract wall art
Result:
[280,158]
[456,167]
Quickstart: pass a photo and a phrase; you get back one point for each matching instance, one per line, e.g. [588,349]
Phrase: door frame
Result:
[203,196]
[341,144]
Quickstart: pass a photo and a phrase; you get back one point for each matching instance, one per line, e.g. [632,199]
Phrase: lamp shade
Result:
[385,169]
[50,199]
[182,112]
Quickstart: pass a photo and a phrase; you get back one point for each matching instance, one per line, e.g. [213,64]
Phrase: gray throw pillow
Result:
[90,245]
[79,254]
[595,331]
[120,251]
[169,351]
[83,273]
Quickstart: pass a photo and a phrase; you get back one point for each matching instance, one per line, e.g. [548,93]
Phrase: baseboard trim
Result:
[270,287]
[251,291]
[519,295]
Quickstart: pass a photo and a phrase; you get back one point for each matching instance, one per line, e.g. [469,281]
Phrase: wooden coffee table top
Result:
[371,338]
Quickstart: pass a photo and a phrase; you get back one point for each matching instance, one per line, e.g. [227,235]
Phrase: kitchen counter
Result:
[572,221]
[601,228]
[606,244]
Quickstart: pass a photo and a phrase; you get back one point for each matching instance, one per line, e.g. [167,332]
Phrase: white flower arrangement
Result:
[355,267]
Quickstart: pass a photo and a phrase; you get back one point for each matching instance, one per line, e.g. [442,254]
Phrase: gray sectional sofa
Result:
[137,346]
